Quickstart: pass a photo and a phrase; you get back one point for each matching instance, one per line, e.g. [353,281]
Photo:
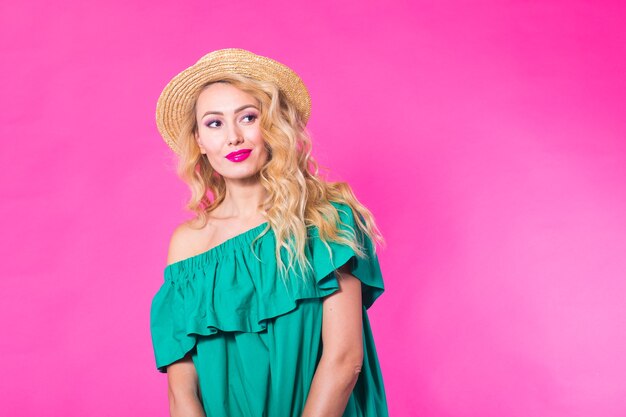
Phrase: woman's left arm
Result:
[342,356]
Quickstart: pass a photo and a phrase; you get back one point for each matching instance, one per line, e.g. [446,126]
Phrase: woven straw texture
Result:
[178,95]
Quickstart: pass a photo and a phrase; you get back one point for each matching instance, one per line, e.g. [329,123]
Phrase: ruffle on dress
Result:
[227,289]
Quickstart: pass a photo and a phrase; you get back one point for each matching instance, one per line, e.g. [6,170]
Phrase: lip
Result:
[239,155]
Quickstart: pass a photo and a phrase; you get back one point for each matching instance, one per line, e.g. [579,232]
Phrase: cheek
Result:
[262,145]
[256,137]
[209,143]
[264,154]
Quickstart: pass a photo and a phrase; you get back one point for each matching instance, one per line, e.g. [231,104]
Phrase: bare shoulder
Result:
[183,243]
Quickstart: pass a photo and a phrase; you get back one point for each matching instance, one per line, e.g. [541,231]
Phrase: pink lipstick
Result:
[239,155]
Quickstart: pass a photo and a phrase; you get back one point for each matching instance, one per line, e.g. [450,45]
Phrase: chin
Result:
[241,175]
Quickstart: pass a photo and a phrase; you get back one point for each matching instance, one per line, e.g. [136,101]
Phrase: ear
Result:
[197,137]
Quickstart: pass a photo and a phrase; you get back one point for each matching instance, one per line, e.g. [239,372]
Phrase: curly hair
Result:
[298,197]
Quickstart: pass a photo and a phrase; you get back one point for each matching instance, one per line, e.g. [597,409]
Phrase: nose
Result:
[234,136]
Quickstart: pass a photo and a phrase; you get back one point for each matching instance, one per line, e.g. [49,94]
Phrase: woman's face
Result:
[229,120]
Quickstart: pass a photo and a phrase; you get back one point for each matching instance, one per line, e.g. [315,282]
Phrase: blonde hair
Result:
[297,196]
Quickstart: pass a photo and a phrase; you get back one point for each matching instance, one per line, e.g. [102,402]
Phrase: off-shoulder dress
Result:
[256,342]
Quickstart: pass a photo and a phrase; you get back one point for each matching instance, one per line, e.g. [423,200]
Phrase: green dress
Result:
[256,342]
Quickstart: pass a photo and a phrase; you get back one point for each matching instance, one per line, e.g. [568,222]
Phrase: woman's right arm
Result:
[183,392]
[182,378]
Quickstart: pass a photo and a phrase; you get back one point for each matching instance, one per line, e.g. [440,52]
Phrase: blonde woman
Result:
[263,309]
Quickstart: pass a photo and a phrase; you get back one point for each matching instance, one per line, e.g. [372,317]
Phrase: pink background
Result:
[487,137]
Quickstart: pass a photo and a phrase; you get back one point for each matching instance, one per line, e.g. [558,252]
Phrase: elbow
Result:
[346,365]
[353,370]
[183,401]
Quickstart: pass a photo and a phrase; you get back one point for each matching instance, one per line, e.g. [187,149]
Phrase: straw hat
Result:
[178,94]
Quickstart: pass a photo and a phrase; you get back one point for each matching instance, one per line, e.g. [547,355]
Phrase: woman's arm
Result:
[183,392]
[182,378]
[342,357]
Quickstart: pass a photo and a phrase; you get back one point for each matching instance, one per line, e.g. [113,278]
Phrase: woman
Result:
[263,307]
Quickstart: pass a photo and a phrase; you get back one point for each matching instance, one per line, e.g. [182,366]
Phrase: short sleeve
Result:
[366,269]
[170,339]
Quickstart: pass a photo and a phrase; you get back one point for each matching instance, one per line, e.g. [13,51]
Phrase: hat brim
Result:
[176,97]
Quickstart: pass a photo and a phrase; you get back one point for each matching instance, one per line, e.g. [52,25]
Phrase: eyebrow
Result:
[236,110]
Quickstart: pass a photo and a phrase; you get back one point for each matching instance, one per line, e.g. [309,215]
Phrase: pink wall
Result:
[487,137]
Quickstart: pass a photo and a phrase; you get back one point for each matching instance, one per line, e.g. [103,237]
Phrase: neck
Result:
[242,200]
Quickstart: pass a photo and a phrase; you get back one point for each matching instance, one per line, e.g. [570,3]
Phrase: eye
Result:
[251,117]
[213,123]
